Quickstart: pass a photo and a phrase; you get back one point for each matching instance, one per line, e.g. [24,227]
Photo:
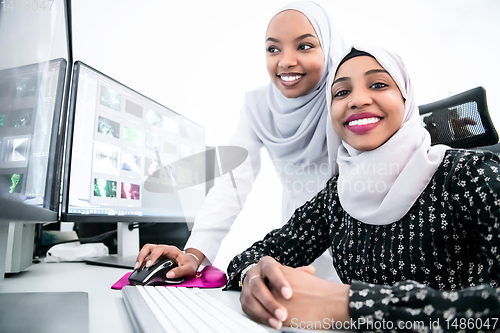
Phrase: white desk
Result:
[107,311]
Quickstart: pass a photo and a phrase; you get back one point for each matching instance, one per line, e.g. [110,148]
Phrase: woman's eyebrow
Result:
[341,79]
[271,39]
[375,71]
[305,36]
[371,71]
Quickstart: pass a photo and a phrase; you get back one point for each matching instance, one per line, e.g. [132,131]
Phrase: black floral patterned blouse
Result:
[437,269]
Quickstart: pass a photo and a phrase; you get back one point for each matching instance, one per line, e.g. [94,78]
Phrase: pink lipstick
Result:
[361,123]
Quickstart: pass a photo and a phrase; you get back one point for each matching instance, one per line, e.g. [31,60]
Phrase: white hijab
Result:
[293,129]
[379,187]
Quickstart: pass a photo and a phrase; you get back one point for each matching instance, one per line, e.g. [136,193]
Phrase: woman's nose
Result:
[288,59]
[359,97]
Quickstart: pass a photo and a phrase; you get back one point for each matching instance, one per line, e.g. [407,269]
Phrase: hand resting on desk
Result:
[273,295]
[313,299]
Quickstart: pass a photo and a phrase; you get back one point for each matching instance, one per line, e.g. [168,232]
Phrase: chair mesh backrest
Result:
[460,121]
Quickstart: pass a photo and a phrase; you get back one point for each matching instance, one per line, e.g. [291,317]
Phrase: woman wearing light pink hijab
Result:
[414,228]
[288,118]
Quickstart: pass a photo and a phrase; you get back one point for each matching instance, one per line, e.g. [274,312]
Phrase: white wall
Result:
[200,57]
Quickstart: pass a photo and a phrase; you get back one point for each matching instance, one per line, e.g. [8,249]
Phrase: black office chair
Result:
[461,121]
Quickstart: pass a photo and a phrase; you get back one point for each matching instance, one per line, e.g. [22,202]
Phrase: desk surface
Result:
[107,311]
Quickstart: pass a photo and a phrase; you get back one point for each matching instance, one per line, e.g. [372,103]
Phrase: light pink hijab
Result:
[380,186]
[293,129]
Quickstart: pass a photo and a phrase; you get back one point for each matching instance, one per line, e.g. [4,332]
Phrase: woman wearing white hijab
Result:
[288,117]
[414,229]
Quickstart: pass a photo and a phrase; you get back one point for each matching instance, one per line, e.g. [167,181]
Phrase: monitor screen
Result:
[128,157]
[30,111]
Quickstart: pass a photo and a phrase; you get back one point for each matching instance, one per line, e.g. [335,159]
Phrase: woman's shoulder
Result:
[457,161]
[455,156]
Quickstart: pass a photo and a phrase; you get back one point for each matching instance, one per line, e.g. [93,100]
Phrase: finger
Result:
[143,253]
[264,296]
[271,269]
[168,251]
[256,311]
[308,269]
[184,269]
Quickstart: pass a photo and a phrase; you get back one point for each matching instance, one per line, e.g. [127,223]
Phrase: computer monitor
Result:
[34,68]
[30,111]
[129,159]
[31,99]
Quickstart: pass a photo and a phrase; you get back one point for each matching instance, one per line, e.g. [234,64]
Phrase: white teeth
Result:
[364,121]
[290,78]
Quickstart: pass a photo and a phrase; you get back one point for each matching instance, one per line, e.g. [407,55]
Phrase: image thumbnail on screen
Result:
[16,150]
[26,86]
[133,108]
[20,118]
[104,188]
[150,166]
[131,162]
[153,118]
[132,135]
[106,158]
[111,98]
[153,141]
[130,191]
[12,183]
[108,127]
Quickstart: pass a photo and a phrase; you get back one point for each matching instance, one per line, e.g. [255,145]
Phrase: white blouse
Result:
[222,205]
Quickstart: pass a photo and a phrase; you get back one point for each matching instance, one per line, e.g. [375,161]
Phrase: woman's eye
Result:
[379,85]
[272,49]
[303,47]
[341,93]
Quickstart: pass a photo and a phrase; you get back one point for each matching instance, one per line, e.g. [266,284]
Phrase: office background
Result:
[200,57]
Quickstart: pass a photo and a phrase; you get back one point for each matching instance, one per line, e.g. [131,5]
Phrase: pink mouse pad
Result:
[208,277]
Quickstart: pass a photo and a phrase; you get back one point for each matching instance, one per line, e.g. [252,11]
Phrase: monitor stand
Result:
[20,244]
[128,249]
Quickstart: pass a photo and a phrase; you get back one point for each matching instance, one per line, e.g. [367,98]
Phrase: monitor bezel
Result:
[99,218]
[52,185]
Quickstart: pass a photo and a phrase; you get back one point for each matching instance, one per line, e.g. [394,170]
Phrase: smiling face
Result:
[367,106]
[294,56]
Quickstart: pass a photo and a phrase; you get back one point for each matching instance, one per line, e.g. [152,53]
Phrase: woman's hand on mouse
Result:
[187,263]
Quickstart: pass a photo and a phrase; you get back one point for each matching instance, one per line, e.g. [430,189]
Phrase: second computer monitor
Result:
[128,157]
[30,116]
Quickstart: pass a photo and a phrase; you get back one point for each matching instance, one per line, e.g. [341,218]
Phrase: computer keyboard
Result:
[183,310]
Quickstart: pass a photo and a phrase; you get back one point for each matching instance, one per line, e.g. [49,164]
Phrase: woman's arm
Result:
[409,305]
[298,243]
[215,218]
[225,201]
[304,238]
[406,306]
[415,306]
